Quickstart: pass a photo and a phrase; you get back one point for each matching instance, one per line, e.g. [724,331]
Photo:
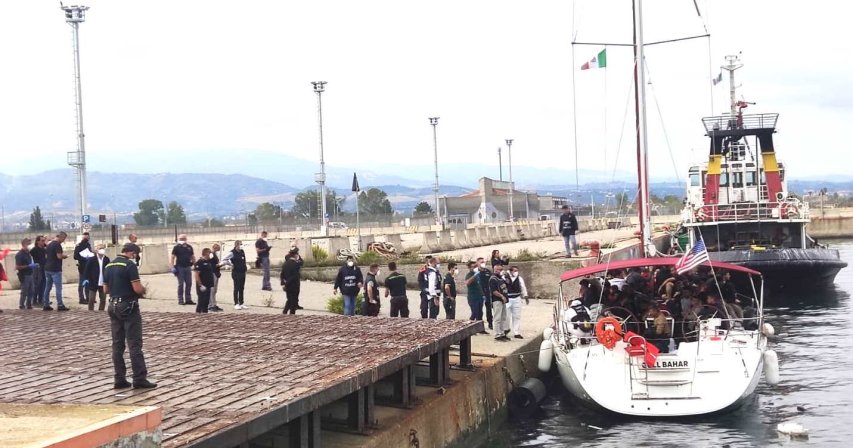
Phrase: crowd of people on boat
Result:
[659,303]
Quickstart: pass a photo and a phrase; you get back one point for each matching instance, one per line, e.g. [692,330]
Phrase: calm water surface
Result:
[815,348]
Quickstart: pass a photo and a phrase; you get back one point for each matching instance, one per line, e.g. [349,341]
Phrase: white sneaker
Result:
[238,307]
[244,307]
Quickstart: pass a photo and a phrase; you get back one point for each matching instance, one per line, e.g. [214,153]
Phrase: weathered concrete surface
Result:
[831,227]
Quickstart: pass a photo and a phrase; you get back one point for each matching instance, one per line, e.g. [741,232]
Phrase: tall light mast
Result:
[74,16]
[320,178]
[434,122]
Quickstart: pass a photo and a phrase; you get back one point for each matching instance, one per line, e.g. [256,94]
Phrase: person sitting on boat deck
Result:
[634,279]
[612,297]
[586,293]
[730,294]
[714,308]
[617,278]
[580,322]
[658,331]
[662,274]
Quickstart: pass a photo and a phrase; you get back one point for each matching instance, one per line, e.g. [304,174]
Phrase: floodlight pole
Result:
[434,122]
[320,178]
[511,186]
[74,16]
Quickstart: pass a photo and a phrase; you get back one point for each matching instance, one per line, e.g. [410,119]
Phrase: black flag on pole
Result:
[355,183]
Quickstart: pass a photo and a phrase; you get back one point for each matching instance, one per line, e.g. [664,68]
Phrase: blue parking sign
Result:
[86,219]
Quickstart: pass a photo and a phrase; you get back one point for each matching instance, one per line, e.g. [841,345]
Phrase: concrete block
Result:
[473,238]
[304,246]
[445,240]
[395,239]
[460,239]
[155,258]
[503,234]
[431,243]
[492,236]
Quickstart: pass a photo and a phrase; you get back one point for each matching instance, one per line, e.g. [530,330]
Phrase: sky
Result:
[169,80]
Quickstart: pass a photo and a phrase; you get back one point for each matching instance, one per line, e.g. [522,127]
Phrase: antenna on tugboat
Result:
[732,65]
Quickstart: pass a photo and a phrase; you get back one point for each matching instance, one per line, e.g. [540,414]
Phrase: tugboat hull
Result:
[788,268]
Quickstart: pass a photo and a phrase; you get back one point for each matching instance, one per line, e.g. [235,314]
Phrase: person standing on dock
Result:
[475,292]
[568,228]
[25,266]
[448,287]
[237,258]
[132,238]
[395,287]
[182,262]
[500,297]
[39,257]
[217,272]
[263,250]
[371,292]
[349,281]
[205,279]
[517,292]
[82,253]
[433,289]
[121,282]
[290,280]
[53,272]
[485,275]
[94,278]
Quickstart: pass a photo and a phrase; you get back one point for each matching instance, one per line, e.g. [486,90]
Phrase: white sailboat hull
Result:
[705,377]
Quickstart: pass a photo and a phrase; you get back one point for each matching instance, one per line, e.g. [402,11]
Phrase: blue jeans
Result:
[52,278]
[185,284]
[476,308]
[571,244]
[26,290]
[349,305]
[265,266]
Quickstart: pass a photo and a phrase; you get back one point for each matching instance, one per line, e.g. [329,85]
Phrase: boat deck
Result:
[224,379]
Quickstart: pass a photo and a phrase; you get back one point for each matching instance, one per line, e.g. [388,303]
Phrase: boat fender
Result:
[547,333]
[546,355]
[793,429]
[771,367]
[767,330]
[524,400]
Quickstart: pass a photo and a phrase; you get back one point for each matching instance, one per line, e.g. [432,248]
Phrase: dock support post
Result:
[357,408]
[305,431]
[439,367]
[465,360]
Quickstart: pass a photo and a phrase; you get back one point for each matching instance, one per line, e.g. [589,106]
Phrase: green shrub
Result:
[526,255]
[368,258]
[320,254]
[335,304]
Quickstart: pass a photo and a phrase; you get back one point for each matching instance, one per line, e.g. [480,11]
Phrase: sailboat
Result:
[712,362]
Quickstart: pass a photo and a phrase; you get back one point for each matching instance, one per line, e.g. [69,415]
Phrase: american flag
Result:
[693,258]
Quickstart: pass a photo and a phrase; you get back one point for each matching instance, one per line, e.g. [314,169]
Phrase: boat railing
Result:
[728,122]
[747,211]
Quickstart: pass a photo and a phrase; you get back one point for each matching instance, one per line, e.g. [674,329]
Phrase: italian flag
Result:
[599,61]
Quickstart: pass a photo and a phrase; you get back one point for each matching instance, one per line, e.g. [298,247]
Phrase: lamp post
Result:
[500,166]
[434,122]
[511,186]
[320,178]
[74,16]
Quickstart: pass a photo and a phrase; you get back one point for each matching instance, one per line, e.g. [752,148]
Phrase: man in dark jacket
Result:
[371,292]
[83,245]
[290,280]
[93,278]
[568,227]
[237,258]
[204,281]
[349,281]
[39,258]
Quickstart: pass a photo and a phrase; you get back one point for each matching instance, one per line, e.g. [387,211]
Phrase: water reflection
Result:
[816,364]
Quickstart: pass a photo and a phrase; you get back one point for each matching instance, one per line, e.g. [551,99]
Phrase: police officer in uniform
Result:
[121,282]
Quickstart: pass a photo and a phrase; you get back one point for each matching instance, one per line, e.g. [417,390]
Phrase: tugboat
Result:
[738,202]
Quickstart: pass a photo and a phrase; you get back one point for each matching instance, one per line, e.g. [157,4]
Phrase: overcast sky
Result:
[170,79]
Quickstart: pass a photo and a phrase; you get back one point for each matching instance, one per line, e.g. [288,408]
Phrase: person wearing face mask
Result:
[133,242]
[485,275]
[25,266]
[83,248]
[500,297]
[517,291]
[422,287]
[290,280]
[449,289]
[204,280]
[39,258]
[475,292]
[182,262]
[237,259]
[263,250]
[371,292]
[93,278]
[349,281]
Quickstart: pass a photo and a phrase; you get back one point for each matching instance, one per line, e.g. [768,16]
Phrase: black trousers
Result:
[239,285]
[203,300]
[450,308]
[399,306]
[126,325]
[292,294]
[371,309]
[428,307]
[82,294]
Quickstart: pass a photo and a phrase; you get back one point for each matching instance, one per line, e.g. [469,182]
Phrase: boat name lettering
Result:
[667,364]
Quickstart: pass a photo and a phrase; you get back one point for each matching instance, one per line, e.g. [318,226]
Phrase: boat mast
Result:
[642,138]
[733,64]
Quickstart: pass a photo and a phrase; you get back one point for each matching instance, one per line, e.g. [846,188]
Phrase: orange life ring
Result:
[608,336]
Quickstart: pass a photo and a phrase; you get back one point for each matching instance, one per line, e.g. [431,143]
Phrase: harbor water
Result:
[814,331]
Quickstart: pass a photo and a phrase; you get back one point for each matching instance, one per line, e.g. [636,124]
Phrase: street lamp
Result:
[434,122]
[74,16]
[509,151]
[320,178]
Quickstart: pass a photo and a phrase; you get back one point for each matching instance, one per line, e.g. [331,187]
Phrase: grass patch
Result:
[527,255]
[368,258]
[320,254]
[335,304]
